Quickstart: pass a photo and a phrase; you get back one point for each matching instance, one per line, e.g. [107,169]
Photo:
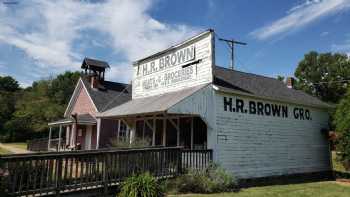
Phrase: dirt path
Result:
[13,150]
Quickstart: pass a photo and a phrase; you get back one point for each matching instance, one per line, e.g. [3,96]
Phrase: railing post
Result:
[104,174]
[179,160]
[58,175]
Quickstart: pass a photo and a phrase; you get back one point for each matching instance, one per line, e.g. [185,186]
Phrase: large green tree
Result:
[44,101]
[342,126]
[324,75]
[9,91]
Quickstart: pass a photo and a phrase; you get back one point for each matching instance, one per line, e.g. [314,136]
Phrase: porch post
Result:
[49,141]
[73,133]
[164,131]
[67,135]
[154,132]
[132,129]
[59,138]
[119,122]
[98,126]
[192,133]
[178,132]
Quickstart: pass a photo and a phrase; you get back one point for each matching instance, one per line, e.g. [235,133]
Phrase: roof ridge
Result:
[247,73]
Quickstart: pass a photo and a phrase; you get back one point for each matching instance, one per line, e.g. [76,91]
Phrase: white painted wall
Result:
[156,82]
[251,145]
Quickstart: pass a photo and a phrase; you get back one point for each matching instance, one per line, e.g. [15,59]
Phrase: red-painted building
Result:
[92,95]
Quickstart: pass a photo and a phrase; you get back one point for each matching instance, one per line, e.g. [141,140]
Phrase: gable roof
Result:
[262,86]
[112,94]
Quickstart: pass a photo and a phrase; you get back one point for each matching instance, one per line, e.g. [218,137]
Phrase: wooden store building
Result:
[257,126]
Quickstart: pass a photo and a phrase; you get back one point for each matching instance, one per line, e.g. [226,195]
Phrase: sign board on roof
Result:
[185,65]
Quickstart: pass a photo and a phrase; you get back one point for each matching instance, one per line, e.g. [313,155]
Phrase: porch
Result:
[74,133]
[167,130]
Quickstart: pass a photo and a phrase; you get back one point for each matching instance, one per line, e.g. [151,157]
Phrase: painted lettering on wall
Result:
[264,109]
[170,60]
[169,78]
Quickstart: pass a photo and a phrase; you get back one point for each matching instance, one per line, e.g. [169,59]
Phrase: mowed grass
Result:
[21,145]
[318,189]
[4,151]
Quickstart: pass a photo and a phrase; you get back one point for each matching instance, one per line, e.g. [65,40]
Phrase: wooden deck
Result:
[40,174]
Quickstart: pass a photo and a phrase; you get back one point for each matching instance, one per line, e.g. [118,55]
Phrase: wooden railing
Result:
[63,172]
[196,159]
[37,144]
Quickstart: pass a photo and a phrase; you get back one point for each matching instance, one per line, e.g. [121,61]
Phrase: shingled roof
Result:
[111,95]
[87,62]
[262,86]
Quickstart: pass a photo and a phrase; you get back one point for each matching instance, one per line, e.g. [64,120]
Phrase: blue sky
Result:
[39,39]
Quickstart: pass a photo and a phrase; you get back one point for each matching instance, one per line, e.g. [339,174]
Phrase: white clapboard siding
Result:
[257,146]
[202,71]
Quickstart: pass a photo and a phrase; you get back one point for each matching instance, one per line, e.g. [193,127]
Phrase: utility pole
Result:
[231,45]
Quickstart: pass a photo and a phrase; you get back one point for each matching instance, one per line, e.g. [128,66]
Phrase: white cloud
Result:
[300,16]
[47,30]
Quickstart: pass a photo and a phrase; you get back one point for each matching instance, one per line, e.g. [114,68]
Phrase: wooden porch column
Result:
[68,135]
[178,132]
[164,131]
[118,131]
[154,132]
[98,126]
[59,138]
[49,141]
[191,133]
[132,129]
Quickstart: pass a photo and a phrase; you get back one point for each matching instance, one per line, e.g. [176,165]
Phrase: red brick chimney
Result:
[290,82]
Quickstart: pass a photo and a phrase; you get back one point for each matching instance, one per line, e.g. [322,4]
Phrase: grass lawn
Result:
[318,189]
[21,145]
[4,151]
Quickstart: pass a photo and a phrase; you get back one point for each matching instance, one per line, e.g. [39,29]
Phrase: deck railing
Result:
[196,159]
[62,172]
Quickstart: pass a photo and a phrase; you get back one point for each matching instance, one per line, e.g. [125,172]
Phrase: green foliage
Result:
[214,179]
[323,75]
[342,122]
[143,185]
[8,84]
[25,112]
[124,142]
[280,78]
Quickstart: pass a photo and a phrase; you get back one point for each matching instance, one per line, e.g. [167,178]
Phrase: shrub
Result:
[143,185]
[211,180]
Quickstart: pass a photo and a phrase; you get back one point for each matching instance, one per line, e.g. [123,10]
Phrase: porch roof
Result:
[152,104]
[82,119]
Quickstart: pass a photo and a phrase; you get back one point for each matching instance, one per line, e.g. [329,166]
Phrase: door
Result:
[88,137]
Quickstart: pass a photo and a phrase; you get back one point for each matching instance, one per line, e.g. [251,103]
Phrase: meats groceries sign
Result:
[188,64]
[238,105]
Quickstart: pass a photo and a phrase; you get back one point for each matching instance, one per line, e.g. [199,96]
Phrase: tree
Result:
[324,75]
[34,106]
[342,123]
[280,78]
[8,84]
